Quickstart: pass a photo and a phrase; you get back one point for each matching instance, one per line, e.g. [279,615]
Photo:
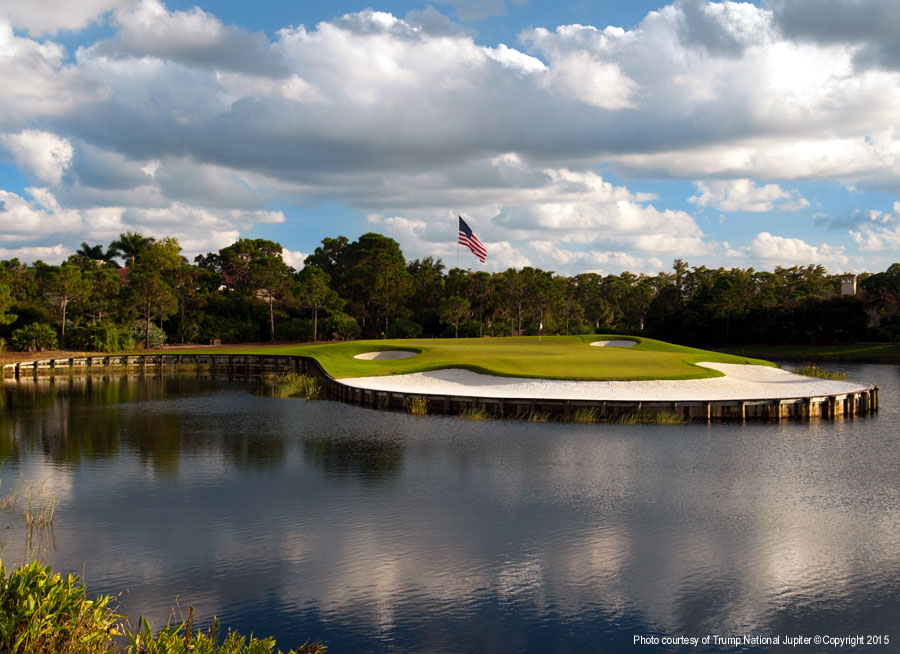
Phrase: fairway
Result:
[553,357]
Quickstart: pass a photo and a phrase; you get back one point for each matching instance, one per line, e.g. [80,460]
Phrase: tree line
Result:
[141,291]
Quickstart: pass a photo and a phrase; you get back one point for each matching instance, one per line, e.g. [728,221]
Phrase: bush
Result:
[46,613]
[103,337]
[404,329]
[157,336]
[34,338]
[338,327]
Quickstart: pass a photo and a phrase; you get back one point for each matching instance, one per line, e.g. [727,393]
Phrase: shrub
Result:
[404,329]
[34,338]
[46,613]
[157,336]
[338,327]
[103,337]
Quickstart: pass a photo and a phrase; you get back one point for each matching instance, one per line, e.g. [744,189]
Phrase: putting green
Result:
[553,357]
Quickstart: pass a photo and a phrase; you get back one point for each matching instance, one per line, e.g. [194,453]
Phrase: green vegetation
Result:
[417,405]
[857,353]
[553,357]
[650,417]
[816,371]
[291,384]
[34,337]
[474,413]
[366,288]
[585,414]
[35,504]
[47,613]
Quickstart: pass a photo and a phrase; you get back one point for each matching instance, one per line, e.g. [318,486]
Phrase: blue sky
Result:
[572,136]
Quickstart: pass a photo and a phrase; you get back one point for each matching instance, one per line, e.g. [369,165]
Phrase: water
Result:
[381,532]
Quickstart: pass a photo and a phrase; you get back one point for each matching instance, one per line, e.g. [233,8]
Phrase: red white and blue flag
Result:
[467,238]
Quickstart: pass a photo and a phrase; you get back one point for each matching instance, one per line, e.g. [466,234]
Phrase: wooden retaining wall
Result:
[858,403]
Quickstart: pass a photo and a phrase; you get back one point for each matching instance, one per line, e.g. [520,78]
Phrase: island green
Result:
[550,357]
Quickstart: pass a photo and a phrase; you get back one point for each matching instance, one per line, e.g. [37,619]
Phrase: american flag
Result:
[467,238]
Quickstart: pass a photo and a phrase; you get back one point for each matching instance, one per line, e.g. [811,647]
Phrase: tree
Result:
[96,253]
[314,293]
[150,292]
[454,309]
[6,302]
[254,267]
[378,282]
[65,286]
[129,245]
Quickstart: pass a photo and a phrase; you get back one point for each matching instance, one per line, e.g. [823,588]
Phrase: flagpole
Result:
[457,242]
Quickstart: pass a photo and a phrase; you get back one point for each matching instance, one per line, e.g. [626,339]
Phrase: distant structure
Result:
[848,284]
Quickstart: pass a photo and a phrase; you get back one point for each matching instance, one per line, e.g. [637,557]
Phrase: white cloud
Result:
[876,235]
[745,195]
[180,122]
[294,258]
[52,16]
[46,156]
[53,254]
[782,251]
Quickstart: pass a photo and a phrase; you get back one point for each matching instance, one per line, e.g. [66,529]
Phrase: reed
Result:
[474,413]
[35,504]
[538,416]
[585,414]
[822,373]
[292,384]
[417,405]
[649,417]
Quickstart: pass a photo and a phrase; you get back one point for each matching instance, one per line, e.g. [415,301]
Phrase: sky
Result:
[574,136]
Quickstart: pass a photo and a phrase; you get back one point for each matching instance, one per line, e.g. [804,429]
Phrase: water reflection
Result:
[379,531]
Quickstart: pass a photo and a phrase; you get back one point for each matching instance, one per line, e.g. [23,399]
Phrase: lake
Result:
[382,532]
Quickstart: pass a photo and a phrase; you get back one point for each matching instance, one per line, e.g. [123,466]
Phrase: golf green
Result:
[551,357]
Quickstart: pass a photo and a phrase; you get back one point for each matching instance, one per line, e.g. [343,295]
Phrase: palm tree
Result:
[129,245]
[96,253]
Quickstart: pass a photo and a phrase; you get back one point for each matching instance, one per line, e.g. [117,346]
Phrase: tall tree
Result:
[255,268]
[129,245]
[150,292]
[452,310]
[314,292]
[66,286]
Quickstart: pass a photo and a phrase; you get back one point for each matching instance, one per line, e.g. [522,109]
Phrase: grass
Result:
[585,414]
[821,373]
[649,417]
[554,357]
[35,504]
[474,413]
[417,405]
[292,384]
[854,352]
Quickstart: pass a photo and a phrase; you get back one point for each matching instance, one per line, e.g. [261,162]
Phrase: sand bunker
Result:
[614,343]
[385,355]
[741,382]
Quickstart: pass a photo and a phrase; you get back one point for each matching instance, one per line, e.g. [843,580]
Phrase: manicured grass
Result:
[859,352]
[554,357]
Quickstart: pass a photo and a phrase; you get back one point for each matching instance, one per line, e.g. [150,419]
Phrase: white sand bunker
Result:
[613,343]
[741,382]
[385,355]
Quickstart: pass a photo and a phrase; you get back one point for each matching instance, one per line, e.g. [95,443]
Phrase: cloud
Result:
[876,233]
[871,27]
[294,259]
[178,117]
[745,195]
[52,16]
[781,250]
[860,219]
[53,254]
[46,156]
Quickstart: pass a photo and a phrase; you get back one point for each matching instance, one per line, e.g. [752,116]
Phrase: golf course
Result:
[550,357]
